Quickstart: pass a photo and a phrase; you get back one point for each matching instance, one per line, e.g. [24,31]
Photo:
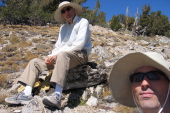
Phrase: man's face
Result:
[150,95]
[68,13]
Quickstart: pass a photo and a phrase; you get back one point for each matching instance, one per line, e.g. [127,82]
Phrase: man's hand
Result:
[51,60]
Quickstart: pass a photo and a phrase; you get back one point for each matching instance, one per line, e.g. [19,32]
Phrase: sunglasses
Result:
[151,75]
[66,9]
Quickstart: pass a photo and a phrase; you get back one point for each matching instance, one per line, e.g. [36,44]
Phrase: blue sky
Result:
[1,3]
[116,7]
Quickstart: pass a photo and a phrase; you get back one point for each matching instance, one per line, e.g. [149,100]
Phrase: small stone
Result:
[92,101]
[17,111]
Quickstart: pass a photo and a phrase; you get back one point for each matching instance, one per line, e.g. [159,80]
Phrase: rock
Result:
[143,42]
[3,111]
[34,106]
[92,101]
[101,52]
[98,91]
[109,99]
[84,76]
[85,95]
[17,111]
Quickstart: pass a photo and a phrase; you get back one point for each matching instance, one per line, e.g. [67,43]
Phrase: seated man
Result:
[142,80]
[71,49]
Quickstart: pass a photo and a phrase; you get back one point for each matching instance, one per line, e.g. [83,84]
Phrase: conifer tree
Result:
[115,23]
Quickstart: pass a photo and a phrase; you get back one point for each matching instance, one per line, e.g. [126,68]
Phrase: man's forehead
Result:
[145,69]
[66,7]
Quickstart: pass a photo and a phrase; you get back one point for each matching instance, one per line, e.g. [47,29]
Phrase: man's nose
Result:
[145,82]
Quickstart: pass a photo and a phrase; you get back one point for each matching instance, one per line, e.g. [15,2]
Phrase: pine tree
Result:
[115,23]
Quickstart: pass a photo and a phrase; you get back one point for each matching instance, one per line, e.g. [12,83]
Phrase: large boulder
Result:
[84,76]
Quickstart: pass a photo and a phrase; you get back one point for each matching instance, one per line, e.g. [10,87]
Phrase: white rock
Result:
[17,111]
[85,95]
[92,101]
[99,90]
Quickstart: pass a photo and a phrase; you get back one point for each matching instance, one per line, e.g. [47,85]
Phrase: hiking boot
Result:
[20,98]
[53,100]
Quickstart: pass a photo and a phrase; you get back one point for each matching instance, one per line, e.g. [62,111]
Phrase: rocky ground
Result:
[19,44]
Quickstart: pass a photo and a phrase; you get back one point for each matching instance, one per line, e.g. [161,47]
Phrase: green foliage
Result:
[131,20]
[79,1]
[102,19]
[97,7]
[15,11]
[31,12]
[156,23]
[160,24]
[115,23]
[89,15]
[144,20]
[94,16]
[122,18]
[146,9]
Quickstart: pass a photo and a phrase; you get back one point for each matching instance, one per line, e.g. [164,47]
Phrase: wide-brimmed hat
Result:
[119,81]
[57,15]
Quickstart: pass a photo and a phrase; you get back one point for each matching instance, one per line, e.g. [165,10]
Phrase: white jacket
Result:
[75,36]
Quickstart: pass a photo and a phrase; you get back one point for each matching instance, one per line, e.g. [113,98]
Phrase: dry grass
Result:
[3,95]
[14,39]
[8,62]
[96,43]
[10,65]
[20,50]
[3,83]
[29,56]
[17,57]
[2,57]
[15,67]
[142,38]
[9,48]
[35,40]
[1,39]
[119,108]
[24,44]
[40,50]
[4,42]
[124,109]
[106,93]
[24,65]
[3,80]
[123,37]
[35,29]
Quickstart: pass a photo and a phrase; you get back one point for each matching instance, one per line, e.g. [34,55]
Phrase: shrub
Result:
[24,44]
[14,39]
[3,80]
[125,109]
[29,55]
[3,95]
[9,48]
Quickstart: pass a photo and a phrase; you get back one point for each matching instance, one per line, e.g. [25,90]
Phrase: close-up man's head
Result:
[141,79]
[149,87]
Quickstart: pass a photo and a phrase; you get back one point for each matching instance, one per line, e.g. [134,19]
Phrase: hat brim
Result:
[59,18]
[119,81]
